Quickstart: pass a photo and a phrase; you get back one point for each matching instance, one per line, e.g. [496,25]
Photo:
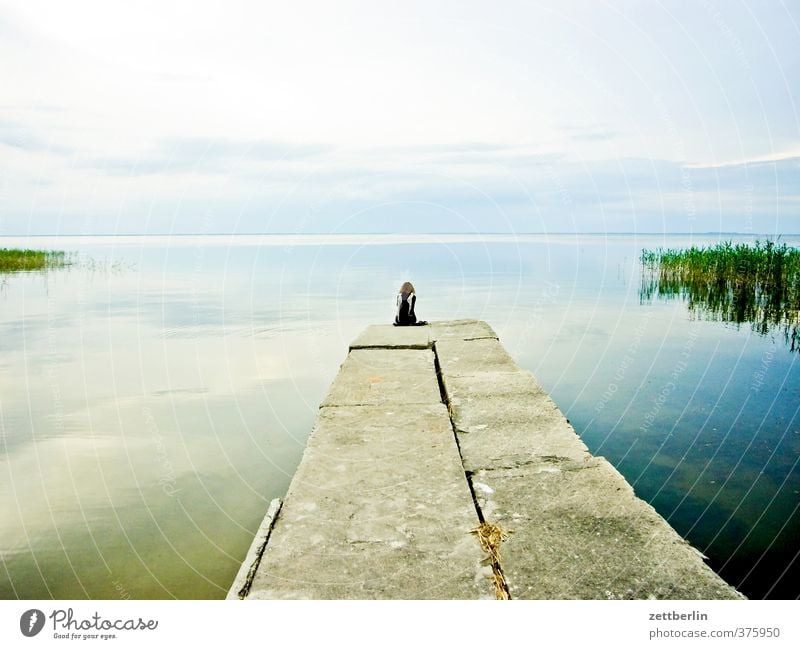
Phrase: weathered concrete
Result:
[380,506]
[461,330]
[471,357]
[382,503]
[503,433]
[577,530]
[375,376]
[391,337]
[244,578]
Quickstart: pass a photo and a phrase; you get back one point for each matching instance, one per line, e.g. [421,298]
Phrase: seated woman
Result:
[406,300]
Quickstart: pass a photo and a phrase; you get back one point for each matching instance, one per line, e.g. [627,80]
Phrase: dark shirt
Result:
[405,309]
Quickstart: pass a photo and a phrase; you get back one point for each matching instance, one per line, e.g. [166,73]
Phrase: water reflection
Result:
[755,284]
[148,417]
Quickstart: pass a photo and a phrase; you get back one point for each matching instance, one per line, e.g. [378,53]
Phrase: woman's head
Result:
[407,287]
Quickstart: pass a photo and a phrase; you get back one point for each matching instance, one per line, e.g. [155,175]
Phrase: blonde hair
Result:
[407,287]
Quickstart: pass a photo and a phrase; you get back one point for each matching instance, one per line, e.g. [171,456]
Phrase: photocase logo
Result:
[31,622]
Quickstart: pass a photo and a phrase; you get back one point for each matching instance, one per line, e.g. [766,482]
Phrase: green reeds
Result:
[757,284]
[13,260]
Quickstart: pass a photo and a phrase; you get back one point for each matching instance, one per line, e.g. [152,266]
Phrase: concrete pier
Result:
[430,438]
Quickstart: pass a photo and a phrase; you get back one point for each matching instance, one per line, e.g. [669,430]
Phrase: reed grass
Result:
[14,260]
[757,284]
[491,536]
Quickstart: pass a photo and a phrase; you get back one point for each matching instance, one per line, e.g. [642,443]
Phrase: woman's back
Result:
[406,301]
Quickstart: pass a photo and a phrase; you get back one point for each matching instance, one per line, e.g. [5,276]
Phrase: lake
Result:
[157,395]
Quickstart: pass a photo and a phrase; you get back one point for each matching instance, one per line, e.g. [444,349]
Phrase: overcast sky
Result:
[550,116]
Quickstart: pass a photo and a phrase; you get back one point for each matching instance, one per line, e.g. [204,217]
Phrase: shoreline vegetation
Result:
[757,284]
[16,260]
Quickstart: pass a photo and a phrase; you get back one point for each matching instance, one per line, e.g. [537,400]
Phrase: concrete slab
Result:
[579,532]
[468,357]
[507,431]
[577,529]
[507,410]
[509,446]
[375,376]
[463,390]
[461,330]
[391,337]
[380,506]
[379,509]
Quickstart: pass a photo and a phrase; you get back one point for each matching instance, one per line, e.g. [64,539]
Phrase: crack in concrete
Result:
[501,586]
[563,464]
[559,464]
[392,347]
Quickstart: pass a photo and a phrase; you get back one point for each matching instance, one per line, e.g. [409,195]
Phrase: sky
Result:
[342,117]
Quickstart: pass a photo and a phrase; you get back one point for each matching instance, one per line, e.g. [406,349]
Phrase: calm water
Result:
[154,401]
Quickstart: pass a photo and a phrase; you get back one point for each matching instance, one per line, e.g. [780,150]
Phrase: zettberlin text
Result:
[675,615]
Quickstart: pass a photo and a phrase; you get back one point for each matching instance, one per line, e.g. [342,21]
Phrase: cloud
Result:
[256,108]
[592,134]
[777,156]
[269,150]
[203,155]
[19,135]
[320,163]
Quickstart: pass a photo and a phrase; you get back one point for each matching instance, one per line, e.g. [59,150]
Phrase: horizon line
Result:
[350,234]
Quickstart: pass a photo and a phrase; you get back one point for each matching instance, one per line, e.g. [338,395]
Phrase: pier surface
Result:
[426,433]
